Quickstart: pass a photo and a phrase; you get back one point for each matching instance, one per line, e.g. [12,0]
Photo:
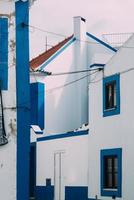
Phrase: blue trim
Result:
[71,192]
[4,53]
[116,110]
[76,193]
[57,53]
[37,104]
[44,192]
[97,65]
[101,42]
[64,135]
[118,153]
[23,99]
[38,132]
[32,167]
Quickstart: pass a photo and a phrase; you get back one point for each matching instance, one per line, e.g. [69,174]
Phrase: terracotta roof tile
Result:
[37,61]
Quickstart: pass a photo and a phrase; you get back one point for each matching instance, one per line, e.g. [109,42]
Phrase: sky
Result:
[103,17]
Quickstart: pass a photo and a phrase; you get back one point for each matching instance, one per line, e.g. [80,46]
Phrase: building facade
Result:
[62,150]
[111,128]
[15,100]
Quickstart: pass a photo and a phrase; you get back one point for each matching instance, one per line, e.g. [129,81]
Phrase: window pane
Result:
[115,164]
[110,171]
[110,95]
[109,180]
[115,184]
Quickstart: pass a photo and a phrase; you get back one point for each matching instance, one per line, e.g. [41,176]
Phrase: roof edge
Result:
[101,42]
[58,52]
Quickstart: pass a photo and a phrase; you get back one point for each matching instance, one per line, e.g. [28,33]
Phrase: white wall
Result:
[113,131]
[66,108]
[75,160]
[8,152]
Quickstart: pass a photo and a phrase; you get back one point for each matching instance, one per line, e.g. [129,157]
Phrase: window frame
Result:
[117,192]
[116,109]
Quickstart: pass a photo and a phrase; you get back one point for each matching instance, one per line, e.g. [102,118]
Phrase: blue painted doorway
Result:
[32,173]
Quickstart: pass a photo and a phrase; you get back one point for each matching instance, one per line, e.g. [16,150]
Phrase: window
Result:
[111,95]
[111,172]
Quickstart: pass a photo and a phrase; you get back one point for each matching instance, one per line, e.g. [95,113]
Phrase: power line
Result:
[65,73]
[70,83]
[45,31]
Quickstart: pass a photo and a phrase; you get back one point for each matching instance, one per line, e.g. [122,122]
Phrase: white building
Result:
[111,128]
[59,107]
[14,100]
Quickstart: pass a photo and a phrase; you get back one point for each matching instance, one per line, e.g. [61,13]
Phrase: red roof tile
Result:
[37,61]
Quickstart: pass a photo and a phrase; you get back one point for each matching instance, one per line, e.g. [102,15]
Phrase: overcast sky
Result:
[103,16]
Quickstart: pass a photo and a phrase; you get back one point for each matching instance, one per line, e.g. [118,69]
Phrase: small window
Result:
[111,172]
[111,95]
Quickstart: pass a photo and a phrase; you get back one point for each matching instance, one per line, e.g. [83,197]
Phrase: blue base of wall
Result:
[71,193]
[76,193]
[44,192]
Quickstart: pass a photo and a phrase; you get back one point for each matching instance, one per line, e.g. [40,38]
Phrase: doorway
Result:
[59,185]
[32,171]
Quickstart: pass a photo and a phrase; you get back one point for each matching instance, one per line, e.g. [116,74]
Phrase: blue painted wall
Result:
[71,192]
[76,193]
[3,53]
[45,193]
[37,104]
[32,168]
[23,99]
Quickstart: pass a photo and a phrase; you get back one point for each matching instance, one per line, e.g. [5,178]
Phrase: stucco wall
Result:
[113,131]
[8,152]
[75,160]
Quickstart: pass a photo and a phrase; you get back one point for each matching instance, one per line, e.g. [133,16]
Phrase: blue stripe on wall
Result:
[71,192]
[44,192]
[4,53]
[23,99]
[101,42]
[57,53]
[37,104]
[65,135]
[76,193]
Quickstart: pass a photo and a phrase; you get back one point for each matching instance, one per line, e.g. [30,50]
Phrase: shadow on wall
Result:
[66,106]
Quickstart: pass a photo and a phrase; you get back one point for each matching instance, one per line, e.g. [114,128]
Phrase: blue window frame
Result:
[111,95]
[114,189]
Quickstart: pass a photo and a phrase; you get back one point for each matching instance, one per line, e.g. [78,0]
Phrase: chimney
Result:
[80,63]
[79,28]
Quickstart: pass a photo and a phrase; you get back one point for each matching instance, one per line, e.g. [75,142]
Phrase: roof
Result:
[37,61]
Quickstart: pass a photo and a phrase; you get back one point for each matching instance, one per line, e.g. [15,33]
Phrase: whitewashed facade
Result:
[62,160]
[14,155]
[113,132]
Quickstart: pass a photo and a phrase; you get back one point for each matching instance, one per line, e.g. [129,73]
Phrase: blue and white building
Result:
[14,100]
[111,128]
[61,113]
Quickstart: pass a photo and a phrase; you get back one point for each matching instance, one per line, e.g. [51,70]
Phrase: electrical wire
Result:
[46,73]
[70,83]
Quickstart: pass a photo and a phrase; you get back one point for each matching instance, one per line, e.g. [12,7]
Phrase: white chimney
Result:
[79,28]
[80,62]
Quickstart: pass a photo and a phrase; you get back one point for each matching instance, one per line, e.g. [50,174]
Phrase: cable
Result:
[65,73]
[45,31]
[69,83]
